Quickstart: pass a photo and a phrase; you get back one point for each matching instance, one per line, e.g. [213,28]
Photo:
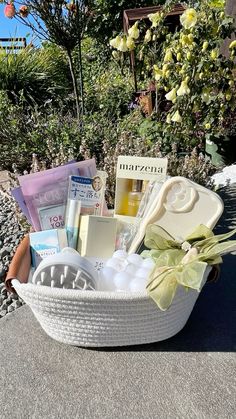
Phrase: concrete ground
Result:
[192,375]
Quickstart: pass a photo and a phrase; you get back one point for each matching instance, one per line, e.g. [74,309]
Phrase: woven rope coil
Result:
[103,319]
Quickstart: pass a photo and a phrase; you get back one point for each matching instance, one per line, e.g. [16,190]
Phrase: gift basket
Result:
[132,282]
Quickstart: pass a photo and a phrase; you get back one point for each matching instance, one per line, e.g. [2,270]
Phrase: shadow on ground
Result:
[212,324]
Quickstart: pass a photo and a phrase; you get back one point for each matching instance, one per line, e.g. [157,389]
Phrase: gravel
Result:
[226,176]
[11,233]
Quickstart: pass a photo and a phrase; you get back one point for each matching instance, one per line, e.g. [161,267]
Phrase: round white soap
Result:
[131,269]
[115,263]
[120,254]
[135,259]
[106,279]
[122,281]
[142,273]
[138,284]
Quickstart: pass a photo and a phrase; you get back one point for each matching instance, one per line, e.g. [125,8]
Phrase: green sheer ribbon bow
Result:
[182,262]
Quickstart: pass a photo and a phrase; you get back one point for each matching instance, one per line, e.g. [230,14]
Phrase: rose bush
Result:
[194,82]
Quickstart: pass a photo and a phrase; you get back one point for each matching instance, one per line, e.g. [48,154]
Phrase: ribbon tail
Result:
[164,293]
[192,275]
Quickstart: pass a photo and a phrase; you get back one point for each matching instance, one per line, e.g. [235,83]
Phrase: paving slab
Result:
[192,375]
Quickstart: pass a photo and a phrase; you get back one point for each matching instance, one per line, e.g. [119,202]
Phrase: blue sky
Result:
[11,28]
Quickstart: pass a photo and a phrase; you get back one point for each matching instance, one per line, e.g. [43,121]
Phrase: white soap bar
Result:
[181,205]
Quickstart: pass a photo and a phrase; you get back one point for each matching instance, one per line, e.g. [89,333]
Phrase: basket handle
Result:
[20,265]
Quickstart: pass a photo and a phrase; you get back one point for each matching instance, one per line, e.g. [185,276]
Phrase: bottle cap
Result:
[137,185]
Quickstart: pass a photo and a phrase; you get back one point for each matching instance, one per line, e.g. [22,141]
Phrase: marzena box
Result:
[132,176]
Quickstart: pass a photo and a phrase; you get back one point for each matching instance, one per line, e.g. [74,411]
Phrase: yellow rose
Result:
[134,31]
[165,67]
[171,95]
[228,96]
[122,45]
[167,74]
[115,42]
[157,72]
[205,46]
[148,36]
[232,45]
[190,38]
[115,55]
[154,18]
[189,18]
[168,58]
[207,125]
[183,89]
[168,119]
[186,40]
[214,54]
[130,43]
[189,55]
[176,117]
[178,56]
[206,96]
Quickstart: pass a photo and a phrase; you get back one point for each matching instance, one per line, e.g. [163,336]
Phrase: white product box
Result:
[139,168]
[97,236]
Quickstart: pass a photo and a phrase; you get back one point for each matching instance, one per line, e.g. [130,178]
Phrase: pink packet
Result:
[49,188]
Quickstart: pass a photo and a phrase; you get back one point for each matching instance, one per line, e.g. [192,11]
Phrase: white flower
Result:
[189,18]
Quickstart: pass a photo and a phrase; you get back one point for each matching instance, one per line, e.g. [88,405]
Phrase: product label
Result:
[90,191]
[52,217]
[141,168]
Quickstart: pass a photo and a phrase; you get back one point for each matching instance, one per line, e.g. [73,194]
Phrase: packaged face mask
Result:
[49,188]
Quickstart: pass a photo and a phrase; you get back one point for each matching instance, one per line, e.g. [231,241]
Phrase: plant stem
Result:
[75,86]
[81,84]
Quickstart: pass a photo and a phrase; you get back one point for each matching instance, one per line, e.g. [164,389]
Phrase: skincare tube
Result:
[72,222]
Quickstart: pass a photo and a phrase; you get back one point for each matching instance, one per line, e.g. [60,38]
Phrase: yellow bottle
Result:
[134,197]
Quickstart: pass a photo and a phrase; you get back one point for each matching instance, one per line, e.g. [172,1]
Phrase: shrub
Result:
[34,75]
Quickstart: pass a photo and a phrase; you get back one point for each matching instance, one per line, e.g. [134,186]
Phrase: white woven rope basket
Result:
[103,319]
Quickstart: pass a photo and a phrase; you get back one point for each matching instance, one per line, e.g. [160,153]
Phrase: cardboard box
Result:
[46,243]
